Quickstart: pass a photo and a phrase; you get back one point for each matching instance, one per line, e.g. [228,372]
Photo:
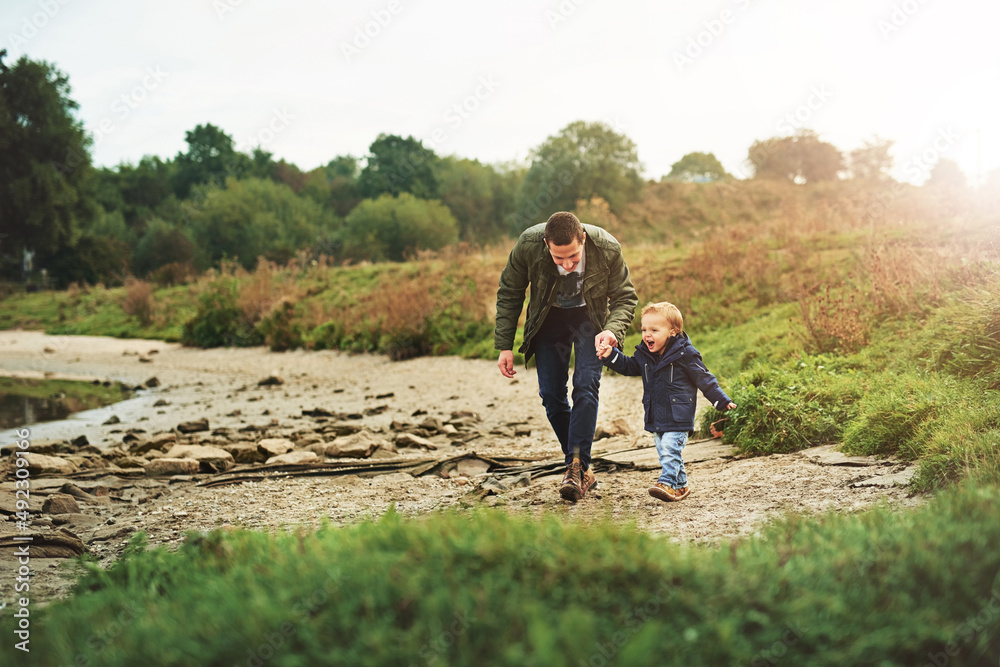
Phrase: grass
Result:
[881,587]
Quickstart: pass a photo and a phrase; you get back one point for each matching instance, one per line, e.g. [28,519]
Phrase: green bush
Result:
[787,408]
[279,329]
[390,228]
[876,588]
[219,321]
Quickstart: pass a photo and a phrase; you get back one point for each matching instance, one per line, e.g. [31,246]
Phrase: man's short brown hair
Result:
[563,228]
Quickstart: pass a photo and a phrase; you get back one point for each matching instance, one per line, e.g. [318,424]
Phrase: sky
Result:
[311,80]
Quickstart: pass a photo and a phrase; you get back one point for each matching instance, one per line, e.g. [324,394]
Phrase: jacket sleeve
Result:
[622,364]
[705,381]
[621,296]
[510,298]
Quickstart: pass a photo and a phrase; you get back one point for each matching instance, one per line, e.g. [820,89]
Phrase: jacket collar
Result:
[677,347]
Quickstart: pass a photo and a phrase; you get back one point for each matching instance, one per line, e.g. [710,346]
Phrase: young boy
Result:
[672,372]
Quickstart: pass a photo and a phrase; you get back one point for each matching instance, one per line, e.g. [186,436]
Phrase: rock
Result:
[275,446]
[160,402]
[342,428]
[77,523]
[470,467]
[212,459]
[193,426]
[432,424]
[40,464]
[61,503]
[152,382]
[271,381]
[293,458]
[40,447]
[168,466]
[376,410]
[80,441]
[143,359]
[307,439]
[382,453]
[245,452]
[318,412]
[113,419]
[359,445]
[54,544]
[111,532]
[131,462]
[410,441]
[611,430]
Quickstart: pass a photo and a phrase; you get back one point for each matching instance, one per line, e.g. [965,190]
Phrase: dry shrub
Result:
[904,279]
[174,273]
[834,322]
[138,301]
[263,289]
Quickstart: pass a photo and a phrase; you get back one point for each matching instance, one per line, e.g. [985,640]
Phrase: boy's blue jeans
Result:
[669,446]
[563,331]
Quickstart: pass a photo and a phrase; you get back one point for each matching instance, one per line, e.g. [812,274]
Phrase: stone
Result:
[113,419]
[342,428]
[131,462]
[613,429]
[432,424]
[212,459]
[77,522]
[166,467]
[40,464]
[161,402]
[193,426]
[80,441]
[307,439]
[410,441]
[293,458]
[275,446]
[470,467]
[53,544]
[160,442]
[522,431]
[61,503]
[245,452]
[152,382]
[271,381]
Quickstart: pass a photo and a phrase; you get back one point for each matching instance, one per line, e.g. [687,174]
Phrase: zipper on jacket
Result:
[671,373]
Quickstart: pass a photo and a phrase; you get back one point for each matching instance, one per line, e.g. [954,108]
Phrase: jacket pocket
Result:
[683,408]
[646,409]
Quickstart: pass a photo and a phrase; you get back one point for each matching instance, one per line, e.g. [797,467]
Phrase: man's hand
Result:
[506,363]
[605,339]
[604,351]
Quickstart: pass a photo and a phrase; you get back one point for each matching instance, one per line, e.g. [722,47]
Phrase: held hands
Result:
[603,342]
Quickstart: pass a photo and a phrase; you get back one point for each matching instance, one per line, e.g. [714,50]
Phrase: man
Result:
[580,286]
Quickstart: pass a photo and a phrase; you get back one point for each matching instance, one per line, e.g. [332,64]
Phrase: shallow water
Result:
[27,402]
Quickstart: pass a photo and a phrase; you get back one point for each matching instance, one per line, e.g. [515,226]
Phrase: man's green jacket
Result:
[607,287]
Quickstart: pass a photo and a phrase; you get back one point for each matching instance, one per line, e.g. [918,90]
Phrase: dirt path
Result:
[731,497]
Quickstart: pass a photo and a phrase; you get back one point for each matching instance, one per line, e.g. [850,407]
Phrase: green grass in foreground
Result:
[881,587]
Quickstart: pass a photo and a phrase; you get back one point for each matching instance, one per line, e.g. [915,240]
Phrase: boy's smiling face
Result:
[656,331]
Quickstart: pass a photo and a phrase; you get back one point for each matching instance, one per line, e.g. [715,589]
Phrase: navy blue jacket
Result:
[670,383]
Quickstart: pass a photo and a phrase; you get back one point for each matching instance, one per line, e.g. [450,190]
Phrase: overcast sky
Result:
[311,80]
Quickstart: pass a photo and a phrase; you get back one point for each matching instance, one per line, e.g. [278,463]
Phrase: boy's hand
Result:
[731,406]
[605,338]
[604,351]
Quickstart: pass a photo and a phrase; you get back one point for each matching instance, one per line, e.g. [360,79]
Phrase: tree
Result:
[389,228]
[253,218]
[697,168]
[210,158]
[47,184]
[470,191]
[801,158]
[946,174]
[396,165]
[583,160]
[872,161]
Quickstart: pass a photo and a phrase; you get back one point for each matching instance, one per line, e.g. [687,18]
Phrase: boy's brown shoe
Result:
[667,493]
[588,480]
[571,488]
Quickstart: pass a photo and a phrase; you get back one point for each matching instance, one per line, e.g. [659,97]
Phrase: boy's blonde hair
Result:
[667,311]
